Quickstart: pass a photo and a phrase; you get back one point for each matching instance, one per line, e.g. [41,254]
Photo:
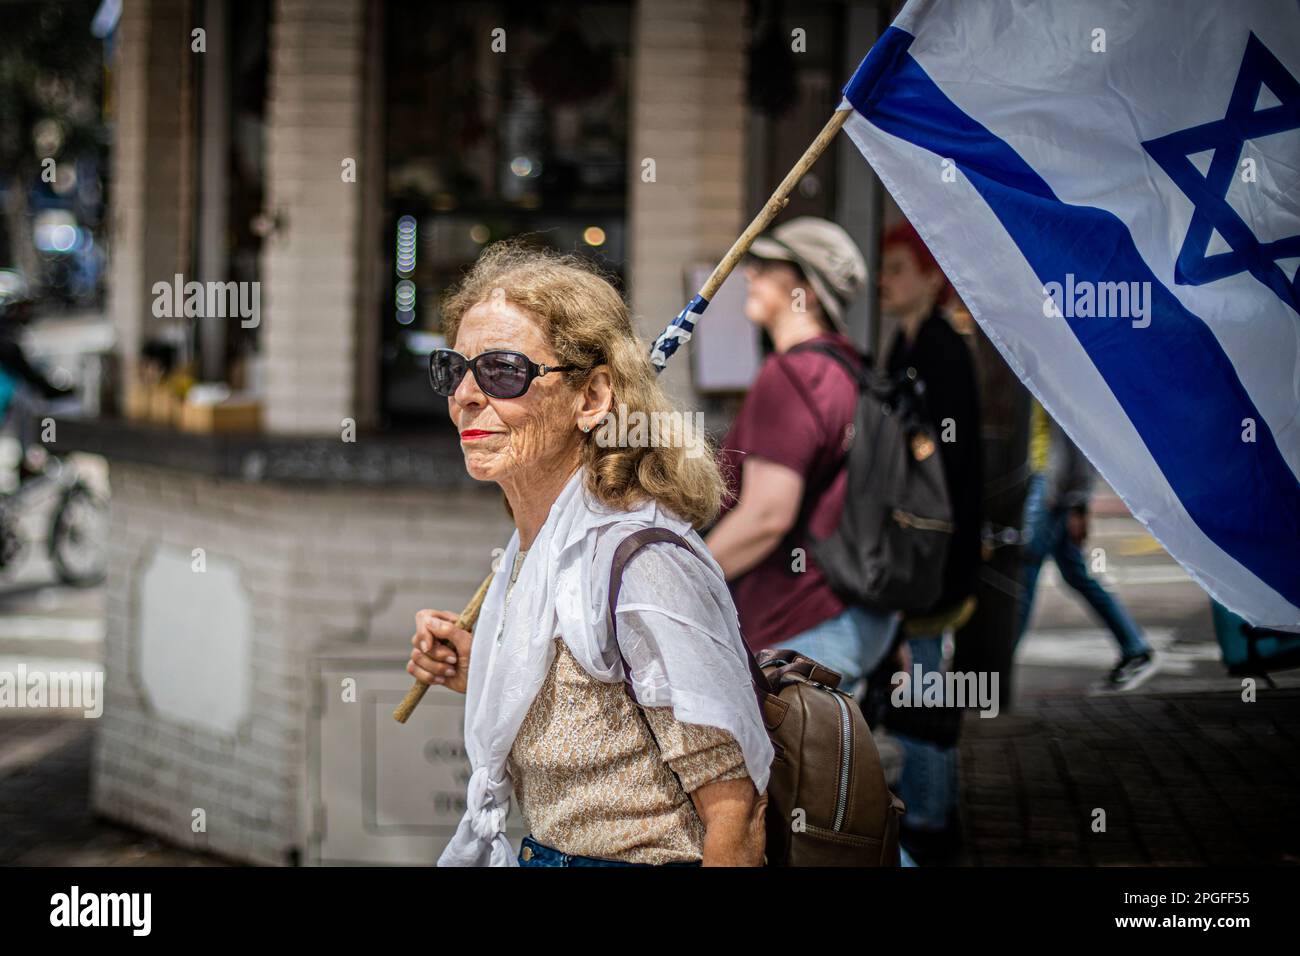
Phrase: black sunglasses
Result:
[500,373]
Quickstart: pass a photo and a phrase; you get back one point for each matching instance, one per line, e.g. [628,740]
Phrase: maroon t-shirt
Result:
[775,423]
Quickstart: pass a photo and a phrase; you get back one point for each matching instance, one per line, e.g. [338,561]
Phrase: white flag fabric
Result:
[1114,189]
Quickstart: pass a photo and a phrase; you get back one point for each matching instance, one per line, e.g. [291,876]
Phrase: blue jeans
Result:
[1045,534]
[928,783]
[853,643]
[541,855]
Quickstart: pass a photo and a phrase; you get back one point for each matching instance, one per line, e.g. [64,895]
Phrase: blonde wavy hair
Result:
[586,322]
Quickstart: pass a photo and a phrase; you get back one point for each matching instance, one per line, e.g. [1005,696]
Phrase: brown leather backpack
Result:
[828,803]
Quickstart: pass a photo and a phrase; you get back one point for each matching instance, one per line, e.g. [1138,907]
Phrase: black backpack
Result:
[890,548]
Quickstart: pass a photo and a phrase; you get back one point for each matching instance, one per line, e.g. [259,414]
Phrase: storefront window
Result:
[230,118]
[796,68]
[500,119]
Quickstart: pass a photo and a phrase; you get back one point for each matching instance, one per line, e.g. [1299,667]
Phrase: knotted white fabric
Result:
[678,630]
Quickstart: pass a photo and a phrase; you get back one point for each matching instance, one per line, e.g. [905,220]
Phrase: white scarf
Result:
[561,589]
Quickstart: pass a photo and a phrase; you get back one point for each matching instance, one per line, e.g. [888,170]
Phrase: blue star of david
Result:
[1209,193]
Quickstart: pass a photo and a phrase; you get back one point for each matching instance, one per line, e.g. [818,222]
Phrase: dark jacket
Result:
[1069,473]
[944,364]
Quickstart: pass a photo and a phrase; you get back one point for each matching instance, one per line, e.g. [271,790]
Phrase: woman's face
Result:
[904,287]
[538,428]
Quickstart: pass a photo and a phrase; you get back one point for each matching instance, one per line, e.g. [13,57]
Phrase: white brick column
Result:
[126,286]
[310,267]
[688,96]
[150,183]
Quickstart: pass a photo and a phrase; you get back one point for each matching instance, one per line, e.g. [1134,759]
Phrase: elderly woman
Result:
[543,349]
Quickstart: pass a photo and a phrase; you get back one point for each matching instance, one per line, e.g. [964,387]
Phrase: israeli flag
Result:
[1114,189]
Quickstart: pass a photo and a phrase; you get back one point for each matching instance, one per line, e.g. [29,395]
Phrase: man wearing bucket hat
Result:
[821,253]
[784,455]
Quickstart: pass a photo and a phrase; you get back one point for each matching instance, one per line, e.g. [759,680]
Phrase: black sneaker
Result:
[1133,672]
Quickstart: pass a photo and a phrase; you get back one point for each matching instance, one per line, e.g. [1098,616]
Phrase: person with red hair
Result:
[906,284]
[927,348]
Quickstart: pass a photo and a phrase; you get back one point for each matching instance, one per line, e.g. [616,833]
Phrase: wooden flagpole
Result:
[465,622]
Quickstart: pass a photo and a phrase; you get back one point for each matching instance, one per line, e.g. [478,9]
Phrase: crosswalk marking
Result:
[12,664]
[1095,649]
[78,630]
[1114,576]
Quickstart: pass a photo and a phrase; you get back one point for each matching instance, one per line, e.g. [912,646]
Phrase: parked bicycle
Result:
[75,533]
[40,484]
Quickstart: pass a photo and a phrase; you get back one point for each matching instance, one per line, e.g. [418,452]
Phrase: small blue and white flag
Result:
[1114,189]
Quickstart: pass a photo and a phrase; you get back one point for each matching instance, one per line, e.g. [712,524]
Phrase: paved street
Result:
[1183,779]
[45,816]
[1185,771]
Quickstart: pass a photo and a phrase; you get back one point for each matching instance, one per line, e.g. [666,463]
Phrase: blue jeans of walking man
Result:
[1046,535]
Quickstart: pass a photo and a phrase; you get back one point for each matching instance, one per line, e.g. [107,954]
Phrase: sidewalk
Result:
[45,815]
[1184,779]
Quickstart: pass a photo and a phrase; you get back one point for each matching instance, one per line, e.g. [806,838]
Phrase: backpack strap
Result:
[856,372]
[831,467]
[886,388]
[629,546]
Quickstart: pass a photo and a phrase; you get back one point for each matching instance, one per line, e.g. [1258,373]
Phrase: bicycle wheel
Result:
[79,537]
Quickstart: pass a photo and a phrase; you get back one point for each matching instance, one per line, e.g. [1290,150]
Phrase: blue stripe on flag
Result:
[1172,379]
